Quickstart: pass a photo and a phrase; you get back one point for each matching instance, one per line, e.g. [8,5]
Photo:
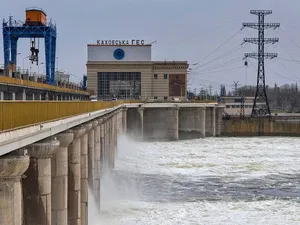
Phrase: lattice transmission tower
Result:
[261,104]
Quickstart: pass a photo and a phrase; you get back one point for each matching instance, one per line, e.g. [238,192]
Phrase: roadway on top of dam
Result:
[17,138]
[175,104]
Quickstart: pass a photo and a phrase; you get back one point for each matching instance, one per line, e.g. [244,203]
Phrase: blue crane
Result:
[35,26]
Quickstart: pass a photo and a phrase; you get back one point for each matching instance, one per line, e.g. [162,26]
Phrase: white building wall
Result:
[106,53]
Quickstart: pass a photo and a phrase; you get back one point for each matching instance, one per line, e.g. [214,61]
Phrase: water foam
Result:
[205,181]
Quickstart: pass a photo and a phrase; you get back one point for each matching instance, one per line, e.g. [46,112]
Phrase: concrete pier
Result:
[59,184]
[124,119]
[161,123]
[105,165]
[192,123]
[102,142]
[219,122]
[84,174]
[169,121]
[74,178]
[97,161]
[37,184]
[134,122]
[91,154]
[109,143]
[12,167]
[210,122]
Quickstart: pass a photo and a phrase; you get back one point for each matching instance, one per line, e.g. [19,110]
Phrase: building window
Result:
[155,97]
[165,76]
[165,98]
[155,76]
[121,85]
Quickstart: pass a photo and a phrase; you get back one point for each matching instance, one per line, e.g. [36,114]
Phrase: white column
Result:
[59,184]
[24,95]
[84,174]
[74,177]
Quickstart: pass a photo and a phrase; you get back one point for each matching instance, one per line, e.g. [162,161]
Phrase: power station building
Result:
[124,69]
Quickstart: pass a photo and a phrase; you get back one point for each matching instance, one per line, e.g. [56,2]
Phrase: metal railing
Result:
[18,114]
[26,83]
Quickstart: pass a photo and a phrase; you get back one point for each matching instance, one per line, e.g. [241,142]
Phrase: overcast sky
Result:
[184,30]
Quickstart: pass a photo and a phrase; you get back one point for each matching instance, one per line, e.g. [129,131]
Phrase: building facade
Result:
[125,70]
[233,105]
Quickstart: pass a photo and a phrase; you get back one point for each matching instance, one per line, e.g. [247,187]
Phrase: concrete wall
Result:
[174,121]
[160,123]
[135,122]
[192,123]
[210,122]
[260,127]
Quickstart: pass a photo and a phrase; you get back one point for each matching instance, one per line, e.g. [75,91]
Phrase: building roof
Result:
[156,64]
[119,45]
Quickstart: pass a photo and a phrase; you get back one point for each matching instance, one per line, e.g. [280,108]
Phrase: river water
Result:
[204,181]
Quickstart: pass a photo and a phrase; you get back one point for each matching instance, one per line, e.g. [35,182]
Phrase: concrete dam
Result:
[46,169]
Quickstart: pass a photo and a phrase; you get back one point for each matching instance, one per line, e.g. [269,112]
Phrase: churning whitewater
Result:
[204,181]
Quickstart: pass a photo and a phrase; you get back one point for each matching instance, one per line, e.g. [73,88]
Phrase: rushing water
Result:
[204,181]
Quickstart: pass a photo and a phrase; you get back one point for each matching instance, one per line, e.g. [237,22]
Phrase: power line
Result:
[276,73]
[219,57]
[290,38]
[287,52]
[290,60]
[219,71]
[289,71]
[220,46]
[280,74]
[222,65]
[186,38]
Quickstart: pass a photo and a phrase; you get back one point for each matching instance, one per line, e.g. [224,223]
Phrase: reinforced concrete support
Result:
[106,145]
[59,184]
[108,142]
[24,95]
[91,155]
[12,167]
[192,122]
[219,121]
[102,142]
[210,122]
[74,178]
[161,123]
[124,120]
[135,122]
[111,141]
[121,126]
[97,160]
[37,184]
[84,174]
[115,137]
